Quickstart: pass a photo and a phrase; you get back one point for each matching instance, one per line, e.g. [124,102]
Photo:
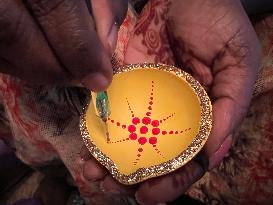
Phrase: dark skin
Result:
[58,41]
[216,40]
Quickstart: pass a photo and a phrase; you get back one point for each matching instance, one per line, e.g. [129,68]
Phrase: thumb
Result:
[108,16]
[169,187]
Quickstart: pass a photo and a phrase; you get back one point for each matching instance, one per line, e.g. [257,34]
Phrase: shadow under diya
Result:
[160,119]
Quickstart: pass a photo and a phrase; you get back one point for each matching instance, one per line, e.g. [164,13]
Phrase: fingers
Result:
[70,32]
[226,116]
[200,71]
[235,71]
[108,16]
[171,186]
[231,93]
[112,186]
[23,49]
[217,157]
[92,169]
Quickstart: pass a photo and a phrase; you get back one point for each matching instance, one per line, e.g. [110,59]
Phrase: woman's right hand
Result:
[56,41]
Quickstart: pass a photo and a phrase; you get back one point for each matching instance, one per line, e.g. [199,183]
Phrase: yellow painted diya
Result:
[160,119]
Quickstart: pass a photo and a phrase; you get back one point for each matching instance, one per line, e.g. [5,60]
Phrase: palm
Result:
[222,50]
[215,42]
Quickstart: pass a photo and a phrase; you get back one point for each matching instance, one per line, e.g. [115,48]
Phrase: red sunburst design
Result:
[146,129]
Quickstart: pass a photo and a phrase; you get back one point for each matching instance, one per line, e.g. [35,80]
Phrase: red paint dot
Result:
[148,114]
[127,138]
[152,140]
[154,145]
[133,136]
[189,128]
[151,98]
[160,121]
[164,132]
[135,120]
[123,126]
[143,130]
[131,128]
[155,123]
[150,108]
[152,94]
[140,149]
[142,140]
[146,120]
[181,132]
[139,155]
[171,132]
[156,131]
[112,121]
[151,103]
[176,132]
[118,124]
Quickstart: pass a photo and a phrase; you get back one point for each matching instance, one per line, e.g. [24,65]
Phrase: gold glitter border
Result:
[171,165]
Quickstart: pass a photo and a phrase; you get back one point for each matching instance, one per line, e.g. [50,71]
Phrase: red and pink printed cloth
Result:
[41,123]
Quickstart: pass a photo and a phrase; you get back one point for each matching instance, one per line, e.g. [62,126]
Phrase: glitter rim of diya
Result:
[185,156]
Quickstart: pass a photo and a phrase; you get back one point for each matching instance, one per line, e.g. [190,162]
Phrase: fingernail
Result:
[218,156]
[96,82]
[112,37]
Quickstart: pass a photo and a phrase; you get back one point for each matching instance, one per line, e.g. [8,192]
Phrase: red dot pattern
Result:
[130,109]
[166,118]
[133,136]
[171,132]
[135,120]
[153,140]
[144,130]
[155,123]
[131,128]
[156,131]
[146,120]
[142,140]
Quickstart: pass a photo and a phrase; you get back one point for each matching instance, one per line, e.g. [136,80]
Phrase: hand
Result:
[55,41]
[214,40]
[217,41]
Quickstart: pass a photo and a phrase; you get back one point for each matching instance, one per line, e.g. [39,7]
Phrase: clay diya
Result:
[160,119]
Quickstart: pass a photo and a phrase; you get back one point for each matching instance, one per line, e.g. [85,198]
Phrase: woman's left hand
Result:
[215,39]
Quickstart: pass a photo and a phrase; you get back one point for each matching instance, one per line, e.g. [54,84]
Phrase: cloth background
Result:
[41,123]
